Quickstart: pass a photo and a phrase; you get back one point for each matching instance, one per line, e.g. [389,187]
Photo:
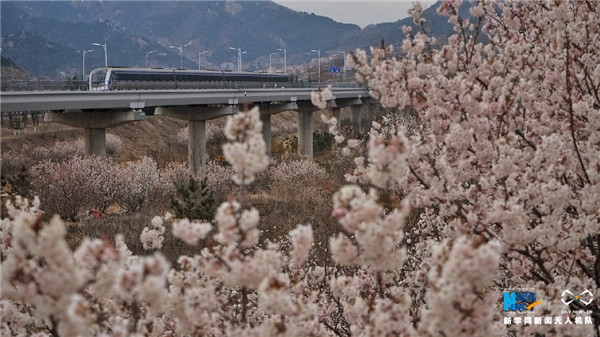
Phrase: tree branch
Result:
[418,178]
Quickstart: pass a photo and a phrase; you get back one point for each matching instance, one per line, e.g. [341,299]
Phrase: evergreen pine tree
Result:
[193,200]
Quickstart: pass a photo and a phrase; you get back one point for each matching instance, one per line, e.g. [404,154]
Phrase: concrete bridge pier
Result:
[196,117]
[95,123]
[337,113]
[266,110]
[305,129]
[95,141]
[356,120]
[196,144]
[266,131]
[355,116]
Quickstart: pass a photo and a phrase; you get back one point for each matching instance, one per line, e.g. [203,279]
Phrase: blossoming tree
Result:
[507,152]
[503,168]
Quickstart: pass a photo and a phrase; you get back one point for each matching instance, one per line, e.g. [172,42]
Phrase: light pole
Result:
[240,52]
[148,53]
[284,50]
[180,55]
[105,54]
[83,68]
[200,58]
[344,69]
[319,56]
[270,54]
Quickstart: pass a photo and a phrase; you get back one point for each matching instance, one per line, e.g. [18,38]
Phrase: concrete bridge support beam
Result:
[266,131]
[196,145]
[305,133]
[305,129]
[95,123]
[337,113]
[95,142]
[356,120]
[196,117]
[355,117]
[266,110]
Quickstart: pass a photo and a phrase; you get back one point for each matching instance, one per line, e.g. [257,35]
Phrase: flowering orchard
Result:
[504,169]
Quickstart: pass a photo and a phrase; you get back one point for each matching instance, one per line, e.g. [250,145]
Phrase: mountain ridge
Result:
[61,30]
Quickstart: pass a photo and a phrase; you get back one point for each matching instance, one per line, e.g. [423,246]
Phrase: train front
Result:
[100,79]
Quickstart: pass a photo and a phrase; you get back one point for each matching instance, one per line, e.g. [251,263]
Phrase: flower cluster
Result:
[191,231]
[246,151]
[152,237]
[302,241]
[386,163]
[377,235]
[322,97]
[237,225]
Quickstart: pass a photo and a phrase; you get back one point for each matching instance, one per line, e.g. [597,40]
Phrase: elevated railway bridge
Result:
[97,110]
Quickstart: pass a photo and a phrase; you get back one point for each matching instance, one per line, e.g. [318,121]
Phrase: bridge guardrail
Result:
[79,85]
[43,85]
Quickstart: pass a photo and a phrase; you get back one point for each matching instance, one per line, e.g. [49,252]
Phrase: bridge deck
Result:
[128,99]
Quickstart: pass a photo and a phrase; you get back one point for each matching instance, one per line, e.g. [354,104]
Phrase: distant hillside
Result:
[47,37]
[435,25]
[10,71]
[50,47]
[8,63]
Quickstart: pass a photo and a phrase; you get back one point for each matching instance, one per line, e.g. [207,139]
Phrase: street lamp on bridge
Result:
[240,52]
[200,58]
[180,55]
[319,56]
[344,69]
[148,53]
[284,50]
[83,67]
[270,55]
[105,54]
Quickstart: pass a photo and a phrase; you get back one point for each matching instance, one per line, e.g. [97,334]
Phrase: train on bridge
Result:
[113,78]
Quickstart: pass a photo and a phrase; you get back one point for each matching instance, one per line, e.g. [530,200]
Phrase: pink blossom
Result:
[191,231]
[302,241]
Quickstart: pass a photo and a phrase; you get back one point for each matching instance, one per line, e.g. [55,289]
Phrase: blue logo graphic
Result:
[519,301]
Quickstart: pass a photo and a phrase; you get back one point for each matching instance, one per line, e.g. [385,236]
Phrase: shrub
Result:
[218,180]
[140,186]
[14,163]
[113,144]
[284,128]
[322,140]
[63,150]
[193,200]
[71,186]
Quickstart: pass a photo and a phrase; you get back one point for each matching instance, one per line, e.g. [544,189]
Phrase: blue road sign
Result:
[334,69]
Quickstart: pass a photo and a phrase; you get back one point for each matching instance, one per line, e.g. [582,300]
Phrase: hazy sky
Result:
[360,12]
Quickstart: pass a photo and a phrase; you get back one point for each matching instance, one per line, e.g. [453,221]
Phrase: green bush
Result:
[193,200]
[322,140]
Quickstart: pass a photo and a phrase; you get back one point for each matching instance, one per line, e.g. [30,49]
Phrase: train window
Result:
[98,77]
[163,77]
[206,77]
